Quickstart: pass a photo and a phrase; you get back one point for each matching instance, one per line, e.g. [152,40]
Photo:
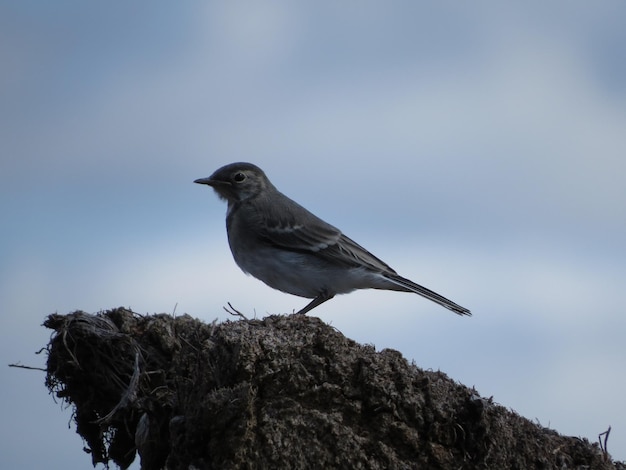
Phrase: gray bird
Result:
[288,248]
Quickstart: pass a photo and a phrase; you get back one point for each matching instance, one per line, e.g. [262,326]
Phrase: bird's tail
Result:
[410,286]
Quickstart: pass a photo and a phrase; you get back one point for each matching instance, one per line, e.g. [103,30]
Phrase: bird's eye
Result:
[239,177]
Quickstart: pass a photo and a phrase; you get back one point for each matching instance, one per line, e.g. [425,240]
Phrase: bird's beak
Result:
[212,182]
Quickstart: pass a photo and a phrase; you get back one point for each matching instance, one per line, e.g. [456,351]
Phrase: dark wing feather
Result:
[291,226]
[349,252]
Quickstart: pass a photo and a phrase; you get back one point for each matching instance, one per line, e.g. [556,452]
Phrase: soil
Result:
[281,392]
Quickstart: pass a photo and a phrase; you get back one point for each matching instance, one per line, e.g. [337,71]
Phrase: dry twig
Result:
[233,311]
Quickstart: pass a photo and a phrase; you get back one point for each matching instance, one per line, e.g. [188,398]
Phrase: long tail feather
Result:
[429,294]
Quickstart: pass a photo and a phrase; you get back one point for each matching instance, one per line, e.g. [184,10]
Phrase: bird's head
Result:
[237,182]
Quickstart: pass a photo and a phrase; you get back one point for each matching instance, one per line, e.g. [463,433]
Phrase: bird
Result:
[279,242]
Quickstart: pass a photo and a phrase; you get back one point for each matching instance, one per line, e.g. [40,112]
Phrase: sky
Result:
[478,148]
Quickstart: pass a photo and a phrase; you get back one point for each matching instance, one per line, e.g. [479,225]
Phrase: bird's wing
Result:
[350,253]
[291,226]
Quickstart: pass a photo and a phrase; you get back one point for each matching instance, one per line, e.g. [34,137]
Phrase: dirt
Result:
[281,392]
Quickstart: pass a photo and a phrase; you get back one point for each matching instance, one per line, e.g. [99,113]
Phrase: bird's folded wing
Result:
[292,227]
[310,235]
[326,242]
[349,252]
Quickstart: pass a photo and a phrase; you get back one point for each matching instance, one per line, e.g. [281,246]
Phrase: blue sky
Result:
[478,149]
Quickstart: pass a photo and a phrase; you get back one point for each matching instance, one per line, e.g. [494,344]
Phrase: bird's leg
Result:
[320,299]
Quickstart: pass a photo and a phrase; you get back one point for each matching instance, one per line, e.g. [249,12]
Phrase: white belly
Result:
[305,275]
